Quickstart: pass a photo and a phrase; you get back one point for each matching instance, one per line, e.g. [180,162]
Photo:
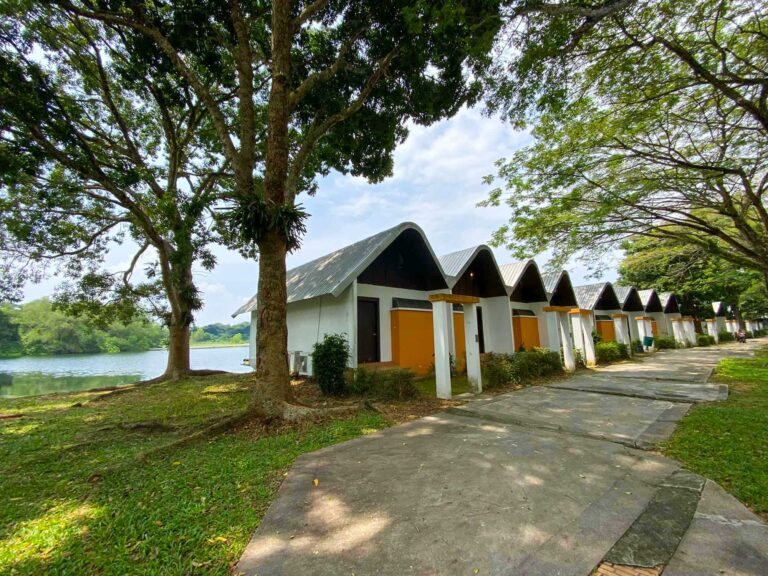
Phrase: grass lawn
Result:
[728,441]
[428,386]
[189,509]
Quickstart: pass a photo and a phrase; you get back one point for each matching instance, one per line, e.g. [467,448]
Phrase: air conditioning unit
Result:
[300,363]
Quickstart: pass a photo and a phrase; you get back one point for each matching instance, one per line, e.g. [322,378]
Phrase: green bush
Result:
[664,342]
[519,368]
[610,352]
[760,333]
[394,384]
[704,340]
[329,363]
[726,337]
[637,346]
[750,334]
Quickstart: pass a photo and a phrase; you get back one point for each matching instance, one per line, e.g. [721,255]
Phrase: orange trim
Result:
[557,308]
[454,298]
[617,315]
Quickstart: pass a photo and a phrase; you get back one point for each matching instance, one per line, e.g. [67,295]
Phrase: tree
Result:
[317,86]
[656,127]
[692,273]
[97,148]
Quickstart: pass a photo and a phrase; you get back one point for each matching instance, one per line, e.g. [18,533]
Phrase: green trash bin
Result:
[648,341]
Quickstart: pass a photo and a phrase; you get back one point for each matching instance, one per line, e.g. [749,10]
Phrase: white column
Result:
[554,342]
[690,330]
[497,325]
[620,327]
[472,347]
[440,316]
[644,328]
[583,324]
[252,341]
[711,330]
[564,329]
[678,331]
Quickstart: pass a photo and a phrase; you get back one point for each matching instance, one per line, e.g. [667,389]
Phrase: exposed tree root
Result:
[10,416]
[152,426]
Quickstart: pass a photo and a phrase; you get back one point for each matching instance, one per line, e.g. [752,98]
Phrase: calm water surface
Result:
[32,375]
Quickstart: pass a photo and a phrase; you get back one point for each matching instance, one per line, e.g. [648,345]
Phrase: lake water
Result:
[32,375]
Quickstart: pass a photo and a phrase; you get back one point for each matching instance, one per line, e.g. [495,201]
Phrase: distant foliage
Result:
[397,384]
[224,333]
[329,362]
[518,368]
[664,342]
[726,337]
[36,328]
[610,352]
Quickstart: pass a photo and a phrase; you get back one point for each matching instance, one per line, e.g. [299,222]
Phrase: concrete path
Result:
[636,422]
[654,389]
[541,481]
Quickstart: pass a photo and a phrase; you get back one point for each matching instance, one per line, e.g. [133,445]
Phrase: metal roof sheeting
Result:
[512,273]
[551,279]
[588,295]
[332,273]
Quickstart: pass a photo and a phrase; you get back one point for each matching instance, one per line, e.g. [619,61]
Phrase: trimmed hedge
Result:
[329,363]
[704,340]
[610,352]
[726,337]
[518,368]
[390,384]
[664,342]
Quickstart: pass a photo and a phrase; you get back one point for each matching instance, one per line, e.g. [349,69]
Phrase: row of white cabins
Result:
[397,303]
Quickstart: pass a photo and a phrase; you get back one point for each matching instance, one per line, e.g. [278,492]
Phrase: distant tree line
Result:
[224,333]
[37,328]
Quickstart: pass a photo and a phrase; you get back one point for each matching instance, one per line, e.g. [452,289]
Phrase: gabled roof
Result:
[719,308]
[524,281]
[628,298]
[650,300]
[669,302]
[589,295]
[456,264]
[334,272]
[559,288]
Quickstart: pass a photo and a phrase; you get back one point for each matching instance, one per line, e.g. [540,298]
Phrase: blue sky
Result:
[436,183]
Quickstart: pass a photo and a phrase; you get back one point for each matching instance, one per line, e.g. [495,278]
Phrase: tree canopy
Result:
[695,275]
[98,149]
[656,127]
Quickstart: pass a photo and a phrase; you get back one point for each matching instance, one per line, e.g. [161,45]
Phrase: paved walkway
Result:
[541,481]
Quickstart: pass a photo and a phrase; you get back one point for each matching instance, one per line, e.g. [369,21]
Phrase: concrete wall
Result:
[497,324]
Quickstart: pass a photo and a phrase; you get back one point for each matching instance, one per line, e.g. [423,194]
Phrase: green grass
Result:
[428,386]
[188,510]
[728,441]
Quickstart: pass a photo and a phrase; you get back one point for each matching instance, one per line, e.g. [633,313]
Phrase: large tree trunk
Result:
[273,389]
[178,352]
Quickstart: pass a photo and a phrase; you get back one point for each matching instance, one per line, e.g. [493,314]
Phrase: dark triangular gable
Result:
[608,299]
[672,307]
[406,263]
[654,303]
[563,294]
[530,287]
[481,278]
[633,302]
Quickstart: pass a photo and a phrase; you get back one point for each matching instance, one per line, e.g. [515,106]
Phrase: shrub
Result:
[704,340]
[394,384]
[726,337]
[518,368]
[329,363]
[637,346]
[750,334]
[664,342]
[610,352]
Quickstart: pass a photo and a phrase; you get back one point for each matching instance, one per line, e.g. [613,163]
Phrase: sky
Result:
[437,183]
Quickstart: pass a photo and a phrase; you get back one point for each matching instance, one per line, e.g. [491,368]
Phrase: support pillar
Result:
[569,360]
[472,347]
[621,329]
[712,330]
[645,328]
[441,312]
[689,328]
[583,324]
[678,331]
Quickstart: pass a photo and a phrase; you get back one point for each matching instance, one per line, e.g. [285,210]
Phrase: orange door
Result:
[606,330]
[654,328]
[413,340]
[525,330]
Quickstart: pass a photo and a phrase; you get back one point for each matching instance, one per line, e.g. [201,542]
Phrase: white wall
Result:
[310,320]
[497,324]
